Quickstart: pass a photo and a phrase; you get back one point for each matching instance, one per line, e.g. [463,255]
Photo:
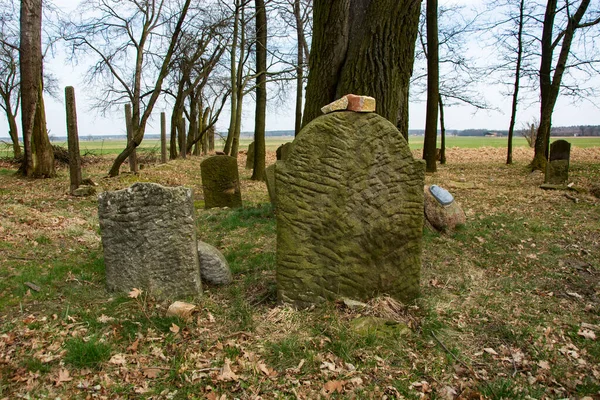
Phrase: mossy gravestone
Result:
[221,182]
[250,156]
[149,240]
[350,212]
[557,169]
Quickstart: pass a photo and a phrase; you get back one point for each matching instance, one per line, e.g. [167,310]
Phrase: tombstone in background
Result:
[149,240]
[349,212]
[283,151]
[221,182]
[270,175]
[250,156]
[442,212]
[557,168]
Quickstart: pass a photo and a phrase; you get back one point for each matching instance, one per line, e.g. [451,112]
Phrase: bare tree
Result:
[258,172]
[433,88]
[114,31]
[10,94]
[555,36]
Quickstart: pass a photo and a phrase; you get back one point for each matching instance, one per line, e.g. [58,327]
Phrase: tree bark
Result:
[299,67]
[234,83]
[163,138]
[364,47]
[133,165]
[40,142]
[515,97]
[73,139]
[13,129]
[258,173]
[442,132]
[433,93]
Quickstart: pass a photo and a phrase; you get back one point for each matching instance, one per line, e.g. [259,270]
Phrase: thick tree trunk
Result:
[258,173]
[431,119]
[73,139]
[364,47]
[442,132]
[163,138]
[133,165]
[40,143]
[515,97]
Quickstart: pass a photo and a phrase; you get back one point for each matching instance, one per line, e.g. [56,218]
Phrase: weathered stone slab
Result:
[149,240]
[557,168]
[283,151]
[350,212]
[221,182]
[214,269]
[250,156]
[270,174]
[442,216]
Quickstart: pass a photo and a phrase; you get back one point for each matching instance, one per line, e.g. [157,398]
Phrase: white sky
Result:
[281,116]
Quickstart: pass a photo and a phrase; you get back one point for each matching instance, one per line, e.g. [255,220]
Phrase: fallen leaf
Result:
[181,309]
[135,293]
[63,376]
[543,364]
[118,359]
[134,346]
[151,372]
[576,295]
[333,386]
[226,374]
[174,328]
[587,333]
[103,319]
[491,351]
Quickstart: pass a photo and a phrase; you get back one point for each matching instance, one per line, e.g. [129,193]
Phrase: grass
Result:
[520,278]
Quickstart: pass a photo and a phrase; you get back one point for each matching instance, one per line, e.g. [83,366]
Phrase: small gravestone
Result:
[349,212]
[442,212]
[214,269]
[149,240]
[270,174]
[250,156]
[557,169]
[282,151]
[221,182]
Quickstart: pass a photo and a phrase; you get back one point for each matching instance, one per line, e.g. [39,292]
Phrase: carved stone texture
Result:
[270,174]
[442,217]
[149,240]
[214,269]
[221,182]
[250,156]
[350,212]
[282,151]
[557,169]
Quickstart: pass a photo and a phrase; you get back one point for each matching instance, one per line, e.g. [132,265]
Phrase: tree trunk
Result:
[73,139]
[210,132]
[133,165]
[40,143]
[182,137]
[13,129]
[550,78]
[234,83]
[163,138]
[433,94]
[442,132]
[373,58]
[515,97]
[299,67]
[258,173]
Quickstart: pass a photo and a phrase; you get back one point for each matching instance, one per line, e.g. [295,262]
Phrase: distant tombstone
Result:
[270,174]
[149,240]
[349,212]
[250,156]
[557,169]
[283,151]
[221,182]
[442,212]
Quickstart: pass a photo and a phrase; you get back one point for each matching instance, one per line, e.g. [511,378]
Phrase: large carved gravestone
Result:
[221,182]
[149,240]
[350,212]
[557,169]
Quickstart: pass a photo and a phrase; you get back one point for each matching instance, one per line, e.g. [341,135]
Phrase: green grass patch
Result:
[90,354]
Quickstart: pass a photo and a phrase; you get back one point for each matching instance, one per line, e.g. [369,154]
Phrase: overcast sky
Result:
[281,116]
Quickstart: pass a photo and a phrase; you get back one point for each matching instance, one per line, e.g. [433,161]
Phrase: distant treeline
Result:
[579,130]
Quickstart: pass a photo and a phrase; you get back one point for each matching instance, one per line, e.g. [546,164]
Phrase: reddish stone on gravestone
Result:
[351,102]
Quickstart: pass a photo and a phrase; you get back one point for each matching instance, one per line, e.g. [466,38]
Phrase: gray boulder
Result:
[442,213]
[214,269]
